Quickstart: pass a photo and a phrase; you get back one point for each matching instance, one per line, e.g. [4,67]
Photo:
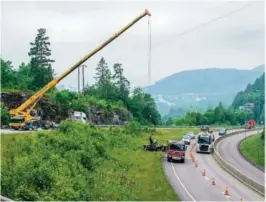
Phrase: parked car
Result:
[222,132]
[186,139]
[176,150]
[191,135]
[31,125]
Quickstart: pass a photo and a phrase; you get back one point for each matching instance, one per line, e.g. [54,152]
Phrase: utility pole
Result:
[83,77]
[78,80]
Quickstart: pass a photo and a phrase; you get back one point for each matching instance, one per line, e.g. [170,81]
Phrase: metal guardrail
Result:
[259,188]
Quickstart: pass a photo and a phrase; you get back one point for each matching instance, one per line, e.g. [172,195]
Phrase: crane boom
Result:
[34,98]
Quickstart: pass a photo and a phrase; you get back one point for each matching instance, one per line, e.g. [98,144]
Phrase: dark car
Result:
[222,132]
[31,125]
[204,128]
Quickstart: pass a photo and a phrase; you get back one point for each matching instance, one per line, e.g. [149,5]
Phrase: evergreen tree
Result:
[8,79]
[121,82]
[40,62]
[105,87]
[103,74]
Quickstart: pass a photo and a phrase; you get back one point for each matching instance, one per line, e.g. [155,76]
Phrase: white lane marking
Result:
[182,183]
[206,178]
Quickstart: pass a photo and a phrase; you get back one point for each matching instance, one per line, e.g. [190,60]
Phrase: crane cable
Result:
[149,53]
[149,63]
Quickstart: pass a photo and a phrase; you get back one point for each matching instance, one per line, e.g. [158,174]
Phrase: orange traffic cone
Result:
[213,181]
[226,191]
[196,164]
[203,172]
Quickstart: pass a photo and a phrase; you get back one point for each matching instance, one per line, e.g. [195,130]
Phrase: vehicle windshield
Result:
[17,120]
[177,147]
[204,140]
[186,137]
[223,130]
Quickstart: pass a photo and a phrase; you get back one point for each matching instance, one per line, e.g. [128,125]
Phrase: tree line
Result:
[112,88]
[217,116]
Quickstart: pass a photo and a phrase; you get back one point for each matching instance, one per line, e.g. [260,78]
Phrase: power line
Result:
[196,27]
[208,22]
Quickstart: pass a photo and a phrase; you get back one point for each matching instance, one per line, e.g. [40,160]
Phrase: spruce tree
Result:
[121,81]
[41,64]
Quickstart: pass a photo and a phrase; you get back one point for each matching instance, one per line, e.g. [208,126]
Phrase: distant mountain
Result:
[198,90]
[259,68]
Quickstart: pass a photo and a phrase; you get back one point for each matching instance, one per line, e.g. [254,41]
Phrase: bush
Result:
[61,162]
[5,116]
[263,134]
[132,128]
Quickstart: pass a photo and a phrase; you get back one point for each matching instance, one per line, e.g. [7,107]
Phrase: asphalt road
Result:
[11,131]
[228,149]
[189,184]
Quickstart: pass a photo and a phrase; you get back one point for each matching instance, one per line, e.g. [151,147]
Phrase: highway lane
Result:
[228,149]
[190,185]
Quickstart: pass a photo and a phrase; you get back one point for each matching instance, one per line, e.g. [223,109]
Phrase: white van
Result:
[80,116]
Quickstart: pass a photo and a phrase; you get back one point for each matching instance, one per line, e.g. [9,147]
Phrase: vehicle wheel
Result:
[183,161]
[169,159]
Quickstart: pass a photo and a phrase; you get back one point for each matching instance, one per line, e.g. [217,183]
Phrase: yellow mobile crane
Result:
[25,113]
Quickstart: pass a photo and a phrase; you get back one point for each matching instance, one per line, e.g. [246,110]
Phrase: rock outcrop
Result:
[48,110]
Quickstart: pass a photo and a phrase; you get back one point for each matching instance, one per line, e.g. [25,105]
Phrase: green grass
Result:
[253,149]
[127,173]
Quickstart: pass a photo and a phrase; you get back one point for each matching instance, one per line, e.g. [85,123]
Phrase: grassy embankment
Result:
[253,149]
[81,163]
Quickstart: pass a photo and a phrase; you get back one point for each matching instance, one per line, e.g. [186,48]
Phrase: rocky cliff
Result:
[48,110]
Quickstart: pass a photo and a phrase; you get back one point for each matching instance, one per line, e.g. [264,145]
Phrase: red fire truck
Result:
[251,124]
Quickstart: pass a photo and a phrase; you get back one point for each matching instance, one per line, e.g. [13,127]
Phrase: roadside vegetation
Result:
[82,162]
[253,148]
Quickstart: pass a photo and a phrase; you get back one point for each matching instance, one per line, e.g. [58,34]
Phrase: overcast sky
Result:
[185,35]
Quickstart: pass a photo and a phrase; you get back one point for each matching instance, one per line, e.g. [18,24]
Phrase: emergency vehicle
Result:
[176,150]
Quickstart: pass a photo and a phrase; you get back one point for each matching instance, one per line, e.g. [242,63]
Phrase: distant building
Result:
[247,107]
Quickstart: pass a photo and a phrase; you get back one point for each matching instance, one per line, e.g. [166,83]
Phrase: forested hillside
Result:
[252,98]
[109,96]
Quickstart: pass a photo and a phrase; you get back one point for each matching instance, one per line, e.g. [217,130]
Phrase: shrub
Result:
[5,116]
[132,127]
